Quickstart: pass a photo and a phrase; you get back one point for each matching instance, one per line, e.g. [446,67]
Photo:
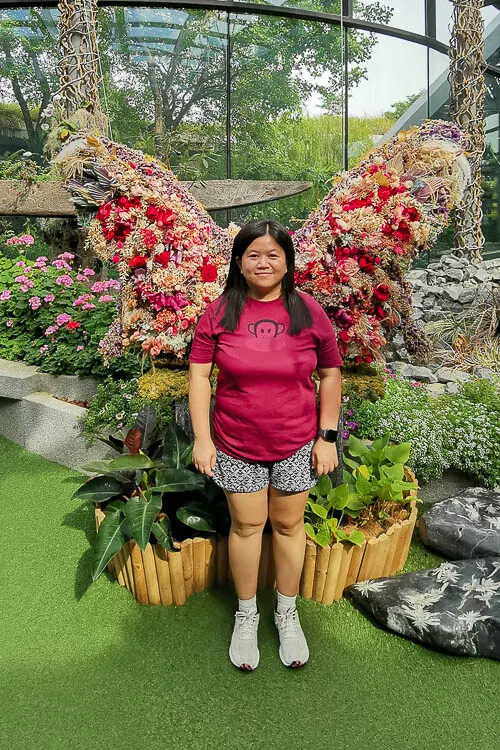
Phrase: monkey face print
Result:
[266,335]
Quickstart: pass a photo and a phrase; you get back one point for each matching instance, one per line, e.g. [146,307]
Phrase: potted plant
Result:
[362,528]
[146,500]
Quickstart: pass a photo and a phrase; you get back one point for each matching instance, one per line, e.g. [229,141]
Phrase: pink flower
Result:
[41,259]
[49,298]
[61,264]
[66,256]
[65,280]
[34,302]
[106,298]
[80,348]
[20,263]
[5,295]
[44,348]
[81,277]
[50,330]
[27,239]
[88,306]
[63,318]
[24,287]
[98,287]
[82,299]
[9,323]
[88,272]
[23,280]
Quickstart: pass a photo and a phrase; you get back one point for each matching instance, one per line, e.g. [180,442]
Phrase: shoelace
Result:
[289,626]
[246,624]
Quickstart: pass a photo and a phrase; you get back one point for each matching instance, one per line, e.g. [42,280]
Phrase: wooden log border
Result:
[157,576]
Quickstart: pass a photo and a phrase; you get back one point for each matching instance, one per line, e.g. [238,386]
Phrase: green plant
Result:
[376,479]
[138,490]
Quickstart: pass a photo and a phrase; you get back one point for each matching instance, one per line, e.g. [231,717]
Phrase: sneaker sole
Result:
[244,667]
[295,664]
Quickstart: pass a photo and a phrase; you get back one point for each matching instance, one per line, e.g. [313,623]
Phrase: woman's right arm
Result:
[200,391]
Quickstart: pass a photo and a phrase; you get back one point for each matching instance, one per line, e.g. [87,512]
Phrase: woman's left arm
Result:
[324,454]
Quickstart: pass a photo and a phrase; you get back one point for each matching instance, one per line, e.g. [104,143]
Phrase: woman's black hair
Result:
[235,291]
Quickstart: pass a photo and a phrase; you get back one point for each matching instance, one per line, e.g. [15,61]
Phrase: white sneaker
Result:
[294,651]
[243,651]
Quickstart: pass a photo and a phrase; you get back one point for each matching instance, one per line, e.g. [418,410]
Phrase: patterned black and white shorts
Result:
[292,474]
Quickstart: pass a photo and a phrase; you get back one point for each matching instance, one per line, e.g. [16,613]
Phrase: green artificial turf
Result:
[84,666]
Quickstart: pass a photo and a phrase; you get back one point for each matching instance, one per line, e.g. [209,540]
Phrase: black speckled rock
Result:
[464,526]
[454,607]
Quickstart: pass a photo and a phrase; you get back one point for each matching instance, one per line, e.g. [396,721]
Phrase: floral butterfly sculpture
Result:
[351,253]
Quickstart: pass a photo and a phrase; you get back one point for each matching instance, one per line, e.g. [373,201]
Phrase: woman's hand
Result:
[204,455]
[324,456]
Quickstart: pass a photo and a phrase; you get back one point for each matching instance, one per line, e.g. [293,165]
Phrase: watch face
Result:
[330,435]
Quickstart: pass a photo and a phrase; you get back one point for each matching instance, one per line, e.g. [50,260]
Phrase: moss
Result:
[167,383]
[358,385]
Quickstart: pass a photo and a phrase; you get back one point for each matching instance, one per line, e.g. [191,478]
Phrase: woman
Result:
[268,447]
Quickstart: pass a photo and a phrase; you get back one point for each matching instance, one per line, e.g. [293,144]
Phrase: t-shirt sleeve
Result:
[204,339]
[327,347]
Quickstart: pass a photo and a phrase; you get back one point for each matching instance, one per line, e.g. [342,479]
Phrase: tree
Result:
[28,62]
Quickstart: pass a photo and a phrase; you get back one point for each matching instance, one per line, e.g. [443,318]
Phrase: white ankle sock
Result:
[285,602]
[248,605]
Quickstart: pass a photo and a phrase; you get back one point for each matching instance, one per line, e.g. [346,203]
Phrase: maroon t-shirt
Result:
[265,404]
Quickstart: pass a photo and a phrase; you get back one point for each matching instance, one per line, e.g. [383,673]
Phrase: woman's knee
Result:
[248,512]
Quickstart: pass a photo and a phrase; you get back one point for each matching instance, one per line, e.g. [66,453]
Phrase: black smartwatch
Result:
[329,435]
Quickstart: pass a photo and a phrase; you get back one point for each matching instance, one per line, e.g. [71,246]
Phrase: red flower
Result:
[72,325]
[208,272]
[345,336]
[368,358]
[152,212]
[163,258]
[138,261]
[115,258]
[384,193]
[381,292]
[131,164]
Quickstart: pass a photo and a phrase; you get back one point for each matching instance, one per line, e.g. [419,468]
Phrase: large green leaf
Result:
[318,509]
[98,489]
[350,462]
[398,454]
[379,444]
[176,442]
[337,498]
[356,537]
[356,447]
[178,480]
[309,529]
[323,485]
[323,537]
[163,533]
[140,516]
[393,473]
[111,537]
[129,461]
[194,517]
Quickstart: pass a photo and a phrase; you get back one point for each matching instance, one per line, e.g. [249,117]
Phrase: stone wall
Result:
[449,285]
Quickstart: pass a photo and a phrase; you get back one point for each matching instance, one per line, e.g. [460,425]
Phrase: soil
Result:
[369,523]
[85,404]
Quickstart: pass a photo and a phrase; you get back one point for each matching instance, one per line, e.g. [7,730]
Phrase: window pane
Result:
[164,81]
[400,14]
[390,96]
[286,108]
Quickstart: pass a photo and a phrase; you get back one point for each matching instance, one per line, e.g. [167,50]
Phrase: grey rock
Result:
[456,263]
[420,373]
[452,387]
[484,372]
[466,525]
[454,607]
[456,274]
[436,389]
[481,274]
[448,374]
[418,274]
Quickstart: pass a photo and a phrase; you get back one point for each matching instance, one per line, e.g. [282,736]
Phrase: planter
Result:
[157,576]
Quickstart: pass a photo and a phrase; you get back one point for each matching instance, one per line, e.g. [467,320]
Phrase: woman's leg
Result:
[248,512]
[286,513]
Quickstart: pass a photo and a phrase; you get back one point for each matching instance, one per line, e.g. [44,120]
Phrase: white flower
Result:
[447,572]
[27,153]
[420,617]
[364,587]
[424,598]
[471,617]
